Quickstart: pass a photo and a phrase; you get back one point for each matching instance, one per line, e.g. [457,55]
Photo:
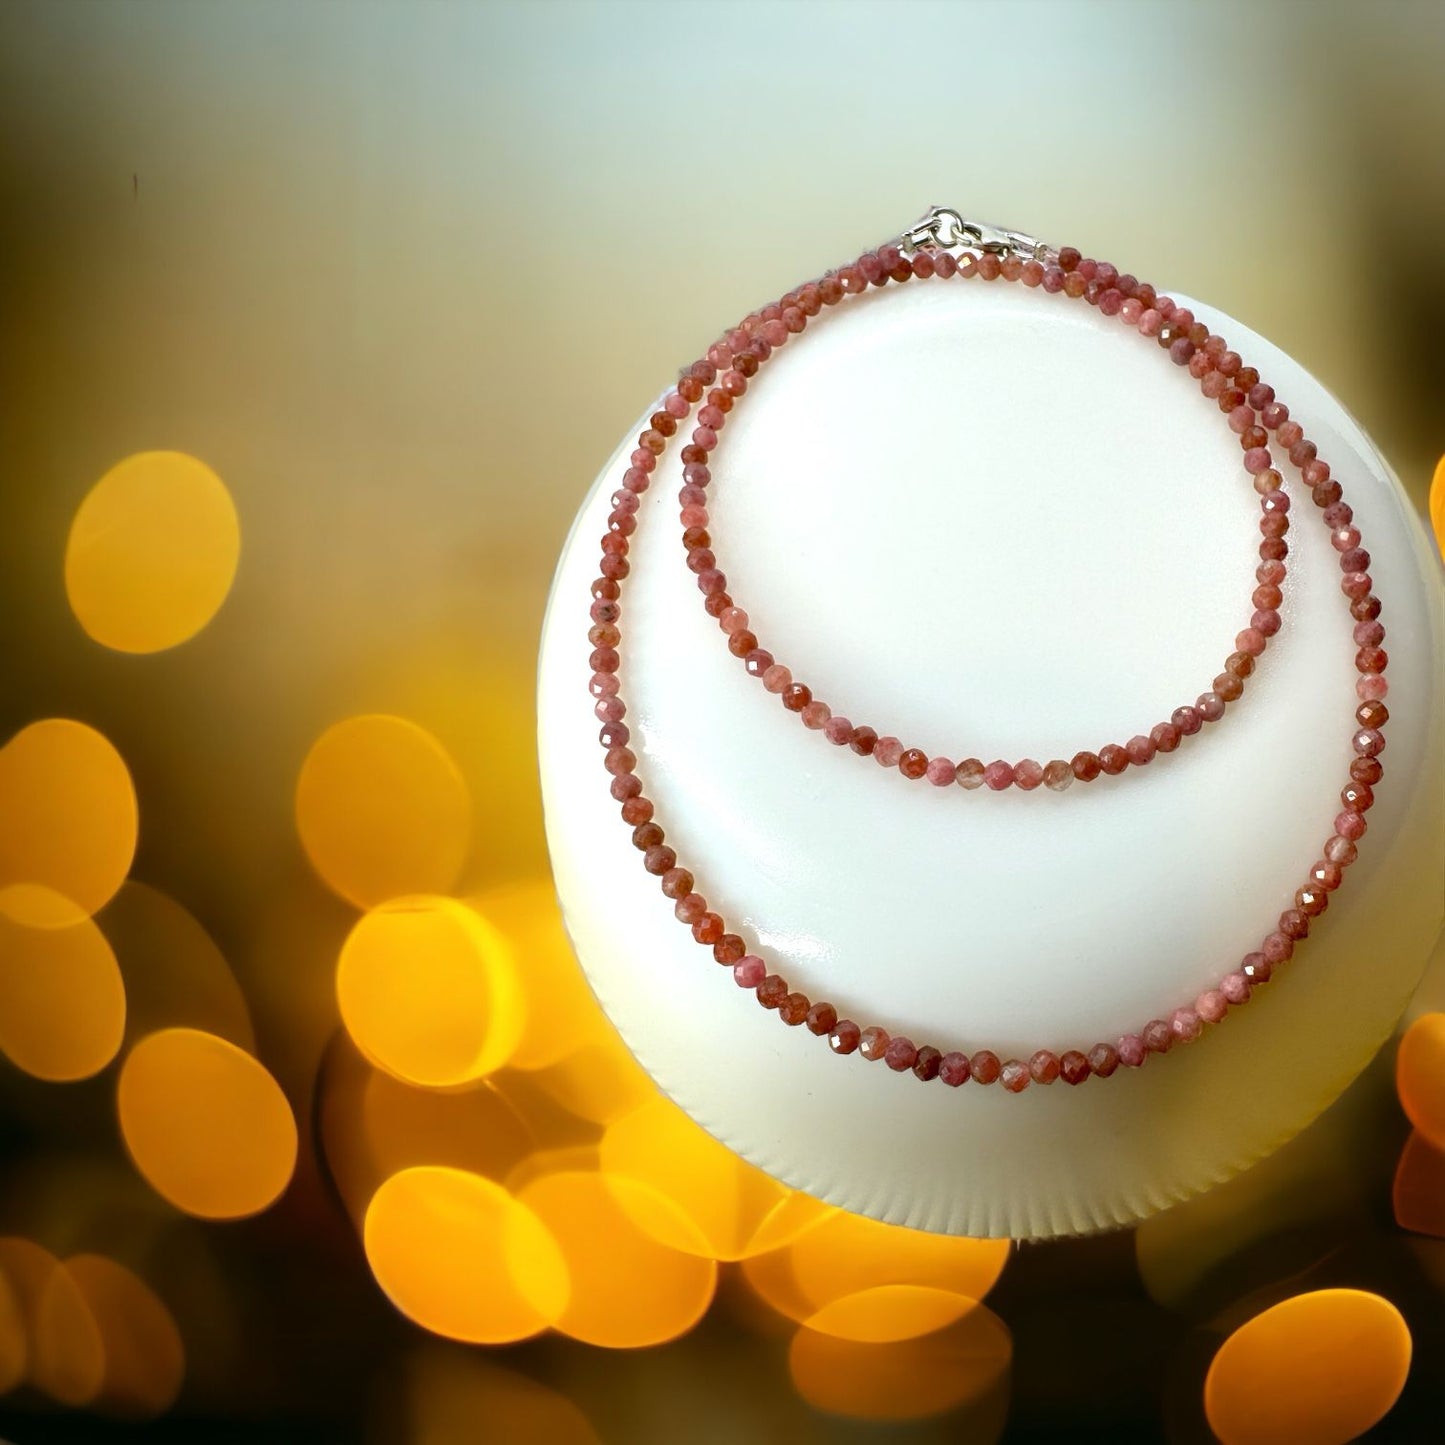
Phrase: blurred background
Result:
[316,322]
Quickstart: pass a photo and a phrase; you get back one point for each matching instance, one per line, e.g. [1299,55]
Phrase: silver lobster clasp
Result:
[942,228]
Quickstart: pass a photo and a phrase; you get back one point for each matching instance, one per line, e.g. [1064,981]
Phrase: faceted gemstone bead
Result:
[1187,720]
[954,1069]
[729,948]
[1165,737]
[749,971]
[1158,1036]
[1211,1005]
[794,1009]
[1044,1067]
[925,1066]
[690,909]
[1113,759]
[822,1018]
[845,1037]
[900,1054]
[1256,969]
[1103,1059]
[1028,774]
[1277,947]
[941,772]
[708,929]
[772,991]
[1086,766]
[999,775]
[1058,775]
[1294,924]
[1235,988]
[863,741]
[887,752]
[985,1066]
[1185,1025]
[874,1043]
[969,773]
[1073,1067]
[1140,750]
[1132,1051]
[1014,1076]
[913,763]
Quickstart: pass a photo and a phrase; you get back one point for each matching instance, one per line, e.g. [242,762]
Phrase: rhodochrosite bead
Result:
[717,382]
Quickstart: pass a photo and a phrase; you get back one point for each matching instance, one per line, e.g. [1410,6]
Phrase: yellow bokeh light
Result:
[152,552]
[206,1125]
[966,1363]
[68,1348]
[564,1015]
[1419,1188]
[1420,1076]
[175,975]
[143,1357]
[890,1312]
[68,821]
[736,1208]
[461,1257]
[452,1398]
[14,1336]
[1437,505]
[628,1290]
[428,991]
[373,1126]
[1318,1369]
[843,1254]
[601,1082]
[62,1001]
[382,810]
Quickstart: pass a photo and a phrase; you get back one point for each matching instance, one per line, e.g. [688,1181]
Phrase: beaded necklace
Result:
[943,247]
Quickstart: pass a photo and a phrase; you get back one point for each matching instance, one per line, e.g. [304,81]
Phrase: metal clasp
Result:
[942,228]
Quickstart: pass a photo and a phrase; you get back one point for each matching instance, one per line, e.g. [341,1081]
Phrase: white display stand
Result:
[993,522]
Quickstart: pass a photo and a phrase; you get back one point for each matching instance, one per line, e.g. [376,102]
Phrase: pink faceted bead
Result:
[838,730]
[777,677]
[941,772]
[887,751]
[1235,988]
[749,971]
[1028,774]
[1372,687]
[1351,825]
[1250,641]
[1131,1051]
[845,1037]
[1277,947]
[1340,850]
[1044,1067]
[1187,719]
[954,1069]
[1369,742]
[1014,1076]
[873,1043]
[815,714]
[1140,749]
[998,775]
[1185,1025]
[900,1054]
[969,774]
[1211,1005]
